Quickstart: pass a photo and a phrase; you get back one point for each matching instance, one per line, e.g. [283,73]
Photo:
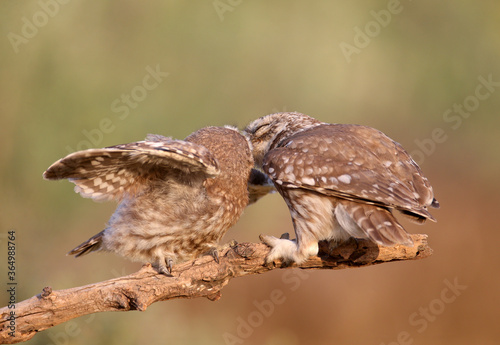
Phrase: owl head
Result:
[267,132]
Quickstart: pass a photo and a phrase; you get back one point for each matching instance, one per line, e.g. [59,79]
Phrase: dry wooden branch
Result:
[199,278]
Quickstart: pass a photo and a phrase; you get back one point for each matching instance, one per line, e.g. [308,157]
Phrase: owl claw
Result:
[215,254]
[170,263]
[166,268]
[267,240]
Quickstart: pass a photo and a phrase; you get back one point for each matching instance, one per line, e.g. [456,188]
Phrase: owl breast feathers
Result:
[339,181]
[177,198]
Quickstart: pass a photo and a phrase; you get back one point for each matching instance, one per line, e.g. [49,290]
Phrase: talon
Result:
[285,236]
[166,268]
[215,254]
[170,263]
[270,241]
[265,239]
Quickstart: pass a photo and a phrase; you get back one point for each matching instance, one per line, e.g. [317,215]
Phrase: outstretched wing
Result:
[352,162]
[109,173]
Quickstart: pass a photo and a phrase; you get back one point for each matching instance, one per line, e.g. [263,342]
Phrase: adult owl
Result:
[339,181]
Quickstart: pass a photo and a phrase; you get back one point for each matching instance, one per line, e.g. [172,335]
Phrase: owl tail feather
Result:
[91,245]
[376,223]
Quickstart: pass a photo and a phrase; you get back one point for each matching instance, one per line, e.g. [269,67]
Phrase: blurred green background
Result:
[405,68]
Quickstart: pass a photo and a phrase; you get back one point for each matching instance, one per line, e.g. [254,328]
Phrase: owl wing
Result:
[355,163]
[109,173]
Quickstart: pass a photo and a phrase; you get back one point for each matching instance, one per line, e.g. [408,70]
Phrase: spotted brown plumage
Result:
[339,181]
[177,198]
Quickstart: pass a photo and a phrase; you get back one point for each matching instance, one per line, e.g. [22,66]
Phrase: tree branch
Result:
[199,278]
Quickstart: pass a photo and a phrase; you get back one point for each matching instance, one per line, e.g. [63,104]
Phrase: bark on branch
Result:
[199,278]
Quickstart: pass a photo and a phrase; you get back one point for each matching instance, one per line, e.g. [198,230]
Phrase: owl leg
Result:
[312,221]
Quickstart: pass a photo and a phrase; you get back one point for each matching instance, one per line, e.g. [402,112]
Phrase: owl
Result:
[339,181]
[177,198]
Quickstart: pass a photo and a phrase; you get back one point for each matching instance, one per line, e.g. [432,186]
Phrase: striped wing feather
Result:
[355,163]
[111,172]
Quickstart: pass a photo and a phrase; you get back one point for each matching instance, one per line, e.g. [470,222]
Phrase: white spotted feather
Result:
[111,172]
[339,181]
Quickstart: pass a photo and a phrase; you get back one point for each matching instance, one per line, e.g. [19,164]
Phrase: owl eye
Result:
[262,129]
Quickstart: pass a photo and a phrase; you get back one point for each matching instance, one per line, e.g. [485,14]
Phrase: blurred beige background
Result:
[426,73]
